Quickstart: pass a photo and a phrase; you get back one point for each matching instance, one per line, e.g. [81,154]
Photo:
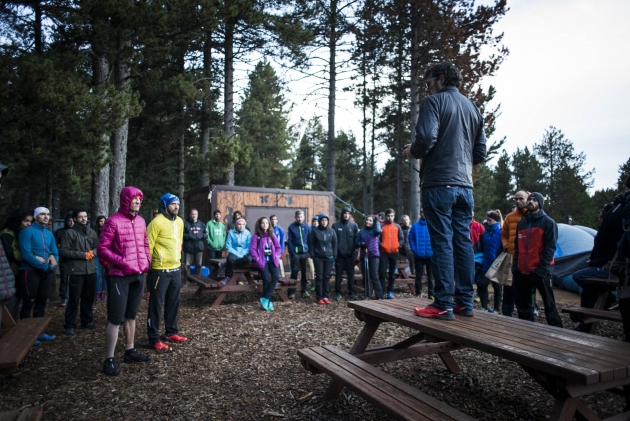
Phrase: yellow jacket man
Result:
[166,234]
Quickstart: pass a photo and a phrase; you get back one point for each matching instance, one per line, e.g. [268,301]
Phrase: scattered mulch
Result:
[240,364]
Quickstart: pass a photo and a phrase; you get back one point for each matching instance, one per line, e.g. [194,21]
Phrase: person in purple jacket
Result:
[367,239]
[265,251]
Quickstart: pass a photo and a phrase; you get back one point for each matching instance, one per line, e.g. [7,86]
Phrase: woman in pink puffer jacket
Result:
[124,247]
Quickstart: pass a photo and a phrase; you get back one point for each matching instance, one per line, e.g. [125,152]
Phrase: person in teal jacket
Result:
[37,270]
[237,246]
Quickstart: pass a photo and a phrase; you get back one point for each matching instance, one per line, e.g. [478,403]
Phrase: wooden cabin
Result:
[254,202]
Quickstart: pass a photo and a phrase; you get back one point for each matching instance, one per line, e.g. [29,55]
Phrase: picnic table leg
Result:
[564,409]
[222,295]
[359,346]
[585,413]
[283,296]
[450,362]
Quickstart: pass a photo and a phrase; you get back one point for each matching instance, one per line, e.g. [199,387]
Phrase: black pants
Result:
[387,259]
[34,289]
[164,286]
[590,293]
[482,290]
[63,283]
[524,285]
[232,261]
[298,264]
[426,264]
[507,307]
[370,278]
[344,264]
[215,254]
[323,269]
[81,288]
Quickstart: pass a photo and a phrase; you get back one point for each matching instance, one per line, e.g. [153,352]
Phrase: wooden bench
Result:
[619,417]
[590,315]
[29,414]
[394,397]
[16,339]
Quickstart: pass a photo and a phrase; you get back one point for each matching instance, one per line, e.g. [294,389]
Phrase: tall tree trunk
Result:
[181,172]
[414,184]
[228,93]
[49,188]
[100,176]
[37,28]
[118,167]
[206,108]
[332,86]
[372,155]
[364,105]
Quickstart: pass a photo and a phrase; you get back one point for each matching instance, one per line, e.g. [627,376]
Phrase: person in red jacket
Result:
[534,246]
[124,248]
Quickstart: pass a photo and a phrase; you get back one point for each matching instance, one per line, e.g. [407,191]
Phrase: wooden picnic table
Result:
[566,363]
[590,317]
[243,274]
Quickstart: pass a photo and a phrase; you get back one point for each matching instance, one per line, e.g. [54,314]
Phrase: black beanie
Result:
[346,209]
[494,215]
[540,198]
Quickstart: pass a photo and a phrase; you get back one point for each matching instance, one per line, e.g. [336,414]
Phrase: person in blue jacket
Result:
[297,235]
[278,231]
[37,270]
[420,244]
[237,246]
[492,247]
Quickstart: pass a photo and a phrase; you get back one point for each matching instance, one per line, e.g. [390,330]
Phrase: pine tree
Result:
[564,175]
[624,173]
[307,166]
[503,188]
[527,172]
[262,125]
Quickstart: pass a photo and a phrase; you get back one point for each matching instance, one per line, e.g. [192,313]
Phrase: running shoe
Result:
[434,313]
[390,294]
[326,301]
[321,302]
[312,286]
[352,297]
[69,331]
[463,311]
[306,295]
[174,338]
[269,305]
[337,297]
[63,302]
[90,326]
[159,346]
[225,280]
[263,302]
[292,296]
[46,337]
[133,356]
[431,297]
[110,368]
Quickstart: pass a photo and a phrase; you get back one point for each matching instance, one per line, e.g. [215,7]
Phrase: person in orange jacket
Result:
[508,233]
[391,241]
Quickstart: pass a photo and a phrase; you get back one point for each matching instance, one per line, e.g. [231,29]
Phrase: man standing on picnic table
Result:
[78,246]
[508,234]
[534,246]
[166,234]
[216,236]
[450,140]
[124,248]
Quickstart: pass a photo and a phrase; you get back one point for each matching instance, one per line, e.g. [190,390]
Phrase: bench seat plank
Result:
[584,313]
[391,395]
[16,343]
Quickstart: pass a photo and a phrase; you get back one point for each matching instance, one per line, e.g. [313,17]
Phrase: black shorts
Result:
[124,297]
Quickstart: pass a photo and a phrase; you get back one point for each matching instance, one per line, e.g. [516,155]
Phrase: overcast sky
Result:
[567,68]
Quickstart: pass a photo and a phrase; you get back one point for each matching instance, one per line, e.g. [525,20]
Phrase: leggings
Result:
[34,289]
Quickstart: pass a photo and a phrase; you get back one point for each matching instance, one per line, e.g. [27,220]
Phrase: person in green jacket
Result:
[216,236]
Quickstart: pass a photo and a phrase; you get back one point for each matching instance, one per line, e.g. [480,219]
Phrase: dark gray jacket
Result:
[322,243]
[75,242]
[346,232]
[7,280]
[449,139]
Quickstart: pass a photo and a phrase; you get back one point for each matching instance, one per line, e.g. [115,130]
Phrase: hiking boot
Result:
[306,295]
[110,368]
[159,346]
[175,338]
[225,280]
[337,297]
[434,313]
[463,311]
[90,326]
[133,356]
[46,337]
[390,294]
[69,331]
[321,302]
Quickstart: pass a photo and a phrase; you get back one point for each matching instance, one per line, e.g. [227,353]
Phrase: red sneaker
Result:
[321,302]
[326,301]
[434,313]
[174,338]
[160,346]
[463,311]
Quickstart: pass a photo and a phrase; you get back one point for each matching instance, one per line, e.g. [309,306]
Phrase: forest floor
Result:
[240,363]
